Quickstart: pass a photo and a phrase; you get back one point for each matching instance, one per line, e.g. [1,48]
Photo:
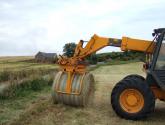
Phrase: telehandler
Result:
[134,96]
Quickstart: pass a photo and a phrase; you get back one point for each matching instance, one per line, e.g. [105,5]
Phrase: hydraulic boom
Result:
[76,63]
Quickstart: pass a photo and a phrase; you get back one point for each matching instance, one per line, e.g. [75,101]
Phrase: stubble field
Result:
[36,108]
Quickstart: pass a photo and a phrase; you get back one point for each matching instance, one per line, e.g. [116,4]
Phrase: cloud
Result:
[30,26]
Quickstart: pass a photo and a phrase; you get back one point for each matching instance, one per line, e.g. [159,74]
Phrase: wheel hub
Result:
[131,100]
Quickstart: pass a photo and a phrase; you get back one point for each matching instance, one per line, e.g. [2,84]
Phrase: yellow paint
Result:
[76,64]
[131,100]
[137,45]
[159,93]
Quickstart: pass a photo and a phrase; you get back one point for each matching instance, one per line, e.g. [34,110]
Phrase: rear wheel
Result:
[132,99]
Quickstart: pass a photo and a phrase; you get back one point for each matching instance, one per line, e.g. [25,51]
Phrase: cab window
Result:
[160,65]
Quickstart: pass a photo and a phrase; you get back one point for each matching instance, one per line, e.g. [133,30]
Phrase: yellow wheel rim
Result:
[131,100]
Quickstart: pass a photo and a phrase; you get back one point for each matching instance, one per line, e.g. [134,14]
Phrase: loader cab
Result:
[156,73]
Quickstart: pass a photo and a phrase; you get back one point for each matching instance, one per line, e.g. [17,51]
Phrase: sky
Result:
[29,26]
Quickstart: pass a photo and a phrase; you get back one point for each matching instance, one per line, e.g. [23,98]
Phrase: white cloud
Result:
[47,26]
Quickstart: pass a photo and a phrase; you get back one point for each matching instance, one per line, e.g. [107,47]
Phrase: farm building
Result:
[46,57]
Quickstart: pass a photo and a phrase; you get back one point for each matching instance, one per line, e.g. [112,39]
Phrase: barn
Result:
[46,57]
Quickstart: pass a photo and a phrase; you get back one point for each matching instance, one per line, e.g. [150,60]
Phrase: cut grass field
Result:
[36,108]
[22,63]
[22,80]
[16,68]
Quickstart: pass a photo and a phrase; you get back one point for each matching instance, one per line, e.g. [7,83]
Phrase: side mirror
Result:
[153,34]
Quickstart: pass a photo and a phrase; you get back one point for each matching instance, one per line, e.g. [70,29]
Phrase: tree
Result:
[69,49]
[92,59]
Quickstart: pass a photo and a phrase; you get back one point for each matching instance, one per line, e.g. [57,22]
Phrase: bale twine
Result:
[83,99]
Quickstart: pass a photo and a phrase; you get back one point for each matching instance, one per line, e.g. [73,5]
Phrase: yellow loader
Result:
[134,96]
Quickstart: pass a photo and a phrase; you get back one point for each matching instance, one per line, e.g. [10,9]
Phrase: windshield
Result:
[160,65]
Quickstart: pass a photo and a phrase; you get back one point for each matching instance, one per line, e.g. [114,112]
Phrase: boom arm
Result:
[76,63]
[96,43]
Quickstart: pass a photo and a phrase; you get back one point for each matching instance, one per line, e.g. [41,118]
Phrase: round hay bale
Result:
[82,99]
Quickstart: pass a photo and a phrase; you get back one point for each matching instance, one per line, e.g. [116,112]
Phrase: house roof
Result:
[46,54]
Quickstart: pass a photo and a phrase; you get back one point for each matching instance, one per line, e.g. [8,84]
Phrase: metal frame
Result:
[68,90]
[156,53]
[154,61]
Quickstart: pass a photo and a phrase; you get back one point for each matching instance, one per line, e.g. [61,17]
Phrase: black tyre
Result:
[132,99]
[136,76]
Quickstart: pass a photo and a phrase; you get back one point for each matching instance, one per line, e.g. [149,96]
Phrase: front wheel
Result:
[132,99]
[134,76]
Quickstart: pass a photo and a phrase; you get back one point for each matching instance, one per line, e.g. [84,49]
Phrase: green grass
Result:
[18,88]
[31,105]
[112,62]
[17,97]
[20,97]
[14,68]
[22,63]
[12,108]
[44,112]
[18,75]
